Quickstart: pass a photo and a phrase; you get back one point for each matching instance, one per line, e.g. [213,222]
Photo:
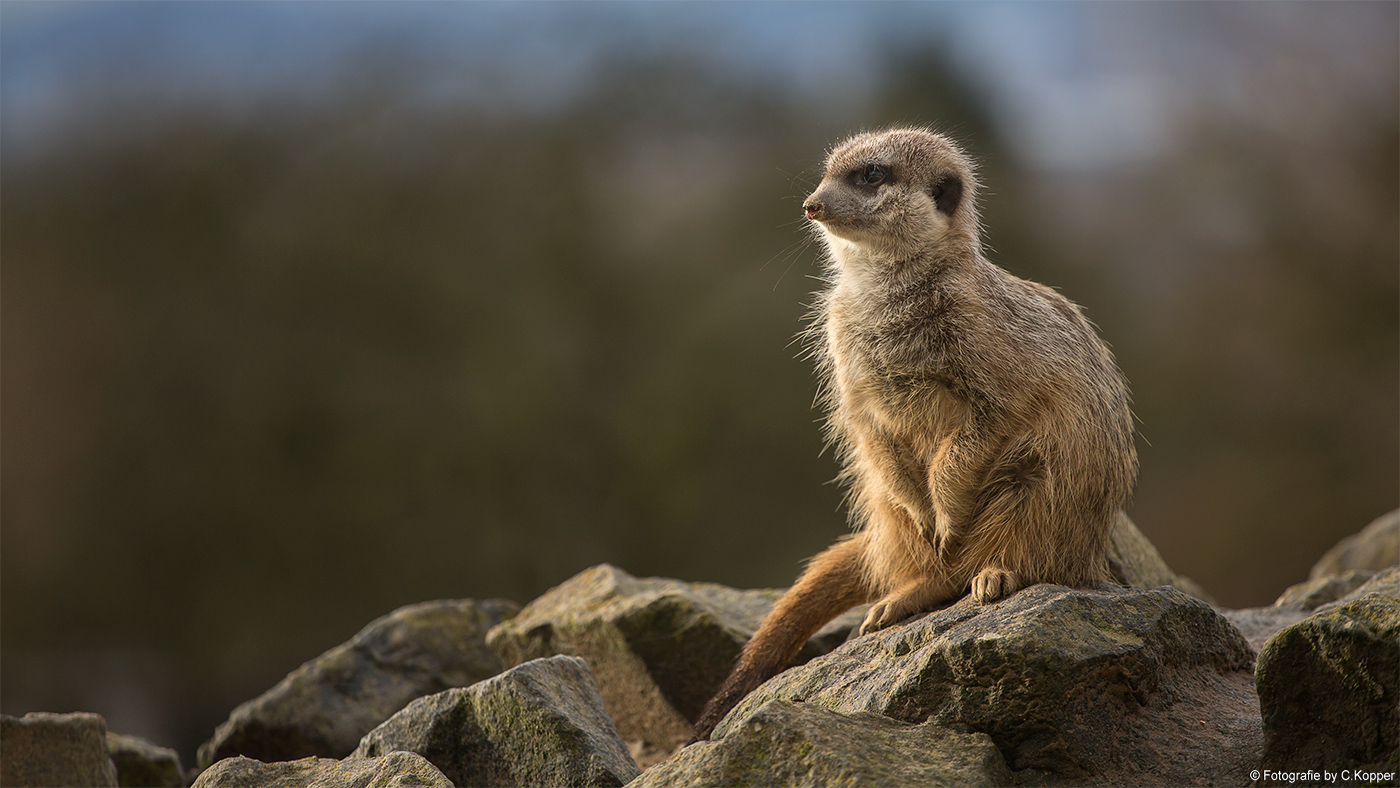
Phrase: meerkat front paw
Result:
[992,584]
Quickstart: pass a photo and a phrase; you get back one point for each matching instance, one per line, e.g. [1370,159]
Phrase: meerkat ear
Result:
[947,193]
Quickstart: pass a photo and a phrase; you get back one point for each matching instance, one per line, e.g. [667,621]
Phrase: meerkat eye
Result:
[869,176]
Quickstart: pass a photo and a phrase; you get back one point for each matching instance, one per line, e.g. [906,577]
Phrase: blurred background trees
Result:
[305,318]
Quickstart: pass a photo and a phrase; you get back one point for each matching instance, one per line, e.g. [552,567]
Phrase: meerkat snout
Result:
[812,208]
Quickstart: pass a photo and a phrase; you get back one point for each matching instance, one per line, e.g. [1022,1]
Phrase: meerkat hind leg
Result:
[914,597]
[993,583]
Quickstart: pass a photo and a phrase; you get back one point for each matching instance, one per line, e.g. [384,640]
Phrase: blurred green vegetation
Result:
[271,373]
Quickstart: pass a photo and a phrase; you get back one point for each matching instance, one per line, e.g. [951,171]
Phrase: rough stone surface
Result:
[141,764]
[1135,561]
[1376,547]
[1258,624]
[395,770]
[1385,582]
[1106,686]
[43,749]
[658,648]
[1329,688]
[799,745]
[541,723]
[1309,595]
[325,706]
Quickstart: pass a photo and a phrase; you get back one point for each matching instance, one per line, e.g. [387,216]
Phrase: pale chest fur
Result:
[883,377]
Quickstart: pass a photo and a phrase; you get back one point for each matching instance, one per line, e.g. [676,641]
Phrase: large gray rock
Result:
[1108,686]
[1329,687]
[541,723]
[141,764]
[43,749]
[802,745]
[395,770]
[1297,602]
[658,648]
[1376,547]
[325,706]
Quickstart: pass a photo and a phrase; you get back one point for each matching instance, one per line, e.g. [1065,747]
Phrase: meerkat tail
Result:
[831,584]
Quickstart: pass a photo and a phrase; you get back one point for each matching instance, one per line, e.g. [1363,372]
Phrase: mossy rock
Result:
[541,723]
[391,771]
[790,744]
[1106,685]
[658,648]
[1329,689]
[141,764]
[323,707]
[1296,603]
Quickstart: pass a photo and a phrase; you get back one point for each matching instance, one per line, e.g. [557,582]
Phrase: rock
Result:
[1309,595]
[1385,582]
[141,764]
[1329,688]
[796,744]
[646,755]
[1135,561]
[45,749]
[1115,686]
[1376,547]
[1258,624]
[390,771]
[325,706]
[658,648]
[541,723]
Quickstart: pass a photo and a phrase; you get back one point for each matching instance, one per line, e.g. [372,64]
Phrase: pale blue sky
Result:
[1072,84]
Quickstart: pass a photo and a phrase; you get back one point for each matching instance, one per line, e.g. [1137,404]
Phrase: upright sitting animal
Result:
[983,427]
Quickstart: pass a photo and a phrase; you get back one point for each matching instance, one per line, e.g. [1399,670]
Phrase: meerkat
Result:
[982,427]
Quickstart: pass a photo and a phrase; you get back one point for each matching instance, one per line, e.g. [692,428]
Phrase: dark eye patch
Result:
[947,193]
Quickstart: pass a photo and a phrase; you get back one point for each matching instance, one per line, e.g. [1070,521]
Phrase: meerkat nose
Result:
[812,208]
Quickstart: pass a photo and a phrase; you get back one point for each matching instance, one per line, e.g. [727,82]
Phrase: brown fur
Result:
[983,428]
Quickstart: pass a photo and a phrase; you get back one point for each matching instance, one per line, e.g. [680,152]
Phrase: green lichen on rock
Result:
[1329,687]
[799,745]
[658,648]
[541,723]
[1122,684]
[323,707]
[395,770]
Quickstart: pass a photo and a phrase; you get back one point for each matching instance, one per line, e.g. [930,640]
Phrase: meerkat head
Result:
[894,192]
